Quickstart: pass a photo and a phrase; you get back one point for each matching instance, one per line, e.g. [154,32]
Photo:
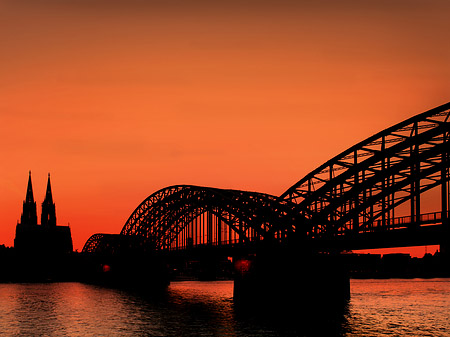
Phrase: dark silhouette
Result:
[41,252]
[48,215]
[289,244]
[279,250]
[29,215]
[49,238]
[396,265]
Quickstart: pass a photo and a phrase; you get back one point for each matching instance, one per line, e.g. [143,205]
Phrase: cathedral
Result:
[47,237]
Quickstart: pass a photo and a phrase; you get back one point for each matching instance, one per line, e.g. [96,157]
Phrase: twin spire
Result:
[48,193]
[29,216]
[29,198]
[48,215]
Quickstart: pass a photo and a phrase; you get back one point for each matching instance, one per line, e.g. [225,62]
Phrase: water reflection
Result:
[187,308]
[198,303]
[31,310]
[207,309]
[417,307]
[376,308]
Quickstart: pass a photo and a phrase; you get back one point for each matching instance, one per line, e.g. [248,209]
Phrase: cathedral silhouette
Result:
[46,238]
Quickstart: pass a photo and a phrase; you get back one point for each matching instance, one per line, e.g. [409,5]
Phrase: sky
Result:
[118,99]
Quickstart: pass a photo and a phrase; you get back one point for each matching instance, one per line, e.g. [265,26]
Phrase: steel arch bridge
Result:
[115,244]
[184,216]
[374,187]
[359,190]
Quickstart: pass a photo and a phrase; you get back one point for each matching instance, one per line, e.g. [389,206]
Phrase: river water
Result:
[391,307]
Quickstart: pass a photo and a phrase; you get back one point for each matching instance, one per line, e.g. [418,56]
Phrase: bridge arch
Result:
[114,244]
[359,190]
[183,215]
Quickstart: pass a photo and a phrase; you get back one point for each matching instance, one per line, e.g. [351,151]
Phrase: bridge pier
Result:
[285,280]
[444,246]
[143,273]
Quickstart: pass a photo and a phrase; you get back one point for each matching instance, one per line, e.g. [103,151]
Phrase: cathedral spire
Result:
[29,198]
[48,215]
[48,194]
[29,216]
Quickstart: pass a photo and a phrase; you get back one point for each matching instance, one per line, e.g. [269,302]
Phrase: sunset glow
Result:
[117,99]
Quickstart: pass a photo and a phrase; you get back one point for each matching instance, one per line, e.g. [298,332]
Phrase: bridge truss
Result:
[363,189]
[373,187]
[183,216]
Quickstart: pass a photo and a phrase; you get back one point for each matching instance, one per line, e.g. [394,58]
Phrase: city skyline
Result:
[117,101]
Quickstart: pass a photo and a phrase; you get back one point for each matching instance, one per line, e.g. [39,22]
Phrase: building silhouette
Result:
[46,238]
[29,215]
[48,215]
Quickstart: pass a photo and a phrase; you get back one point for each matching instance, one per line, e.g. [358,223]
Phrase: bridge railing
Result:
[402,222]
[224,243]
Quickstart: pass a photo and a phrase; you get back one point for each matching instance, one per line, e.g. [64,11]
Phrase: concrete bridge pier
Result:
[291,281]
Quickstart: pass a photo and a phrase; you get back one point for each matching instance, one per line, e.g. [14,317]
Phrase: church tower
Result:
[29,216]
[46,239]
[48,215]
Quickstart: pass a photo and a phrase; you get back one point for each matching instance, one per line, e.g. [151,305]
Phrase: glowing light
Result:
[243,266]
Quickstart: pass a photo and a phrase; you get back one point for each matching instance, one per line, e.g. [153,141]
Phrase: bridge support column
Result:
[444,247]
[283,280]
[445,204]
[140,272]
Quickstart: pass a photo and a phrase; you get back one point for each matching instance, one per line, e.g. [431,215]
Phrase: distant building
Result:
[44,238]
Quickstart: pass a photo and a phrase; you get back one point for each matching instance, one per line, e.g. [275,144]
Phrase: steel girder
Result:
[354,192]
[100,243]
[162,216]
[358,190]
[112,244]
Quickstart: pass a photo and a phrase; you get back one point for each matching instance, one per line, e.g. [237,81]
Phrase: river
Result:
[392,307]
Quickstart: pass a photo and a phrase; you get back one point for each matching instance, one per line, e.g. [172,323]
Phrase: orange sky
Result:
[118,99]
